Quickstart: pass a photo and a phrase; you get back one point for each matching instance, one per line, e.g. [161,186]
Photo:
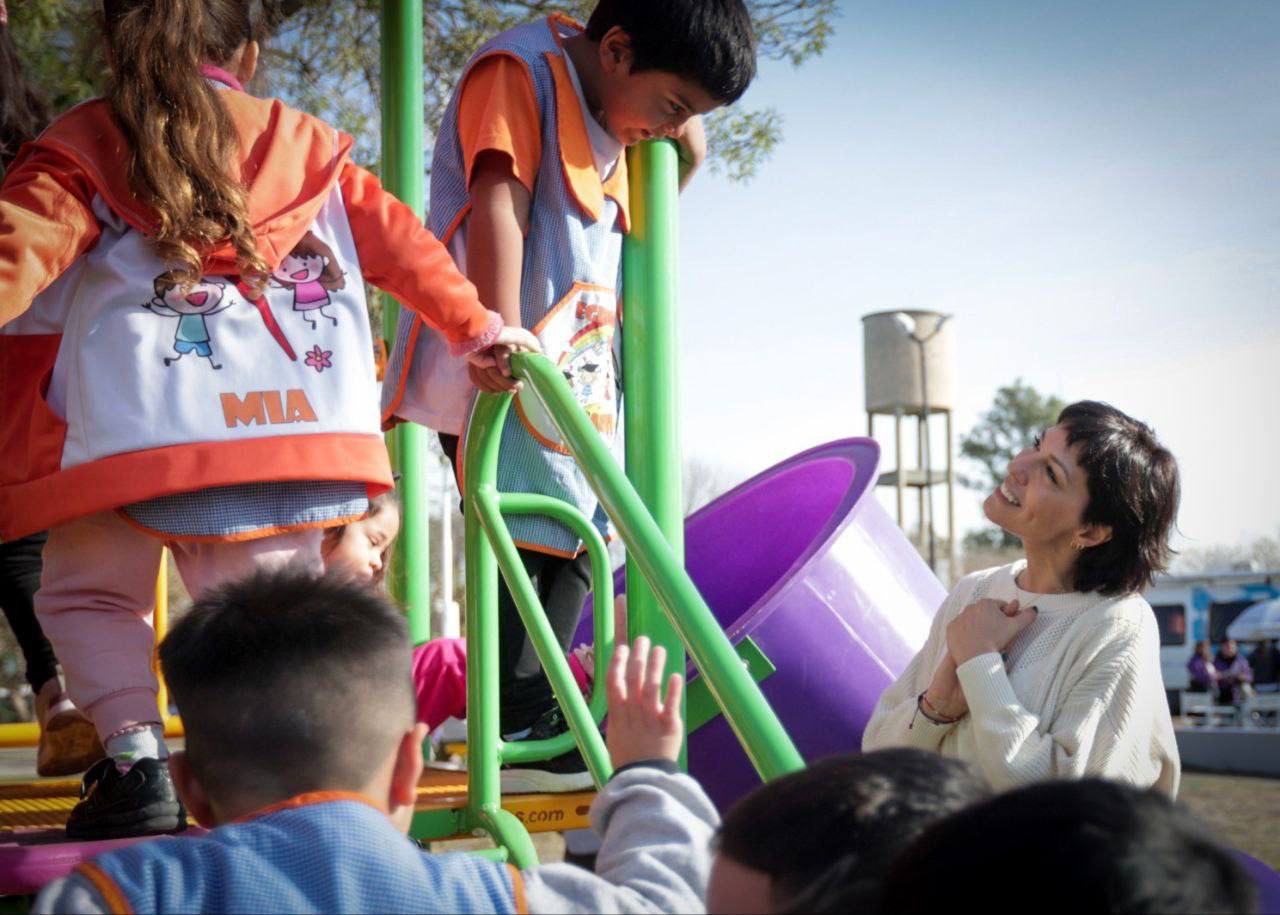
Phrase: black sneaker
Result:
[567,772]
[140,802]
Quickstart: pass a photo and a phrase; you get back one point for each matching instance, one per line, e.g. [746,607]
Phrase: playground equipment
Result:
[489,546]
[403,157]
[820,592]
[817,588]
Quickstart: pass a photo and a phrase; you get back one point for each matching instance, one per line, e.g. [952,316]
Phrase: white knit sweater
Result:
[1078,693]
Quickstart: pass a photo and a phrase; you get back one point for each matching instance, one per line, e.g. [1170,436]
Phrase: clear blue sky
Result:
[1093,189]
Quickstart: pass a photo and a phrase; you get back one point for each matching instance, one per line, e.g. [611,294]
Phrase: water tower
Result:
[909,360]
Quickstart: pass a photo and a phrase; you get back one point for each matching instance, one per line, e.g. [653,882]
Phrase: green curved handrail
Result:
[489,546]
[491,506]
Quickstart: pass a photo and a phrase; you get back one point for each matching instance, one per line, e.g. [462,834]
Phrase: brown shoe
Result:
[69,742]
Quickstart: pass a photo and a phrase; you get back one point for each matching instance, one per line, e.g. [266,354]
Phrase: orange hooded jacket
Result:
[290,162]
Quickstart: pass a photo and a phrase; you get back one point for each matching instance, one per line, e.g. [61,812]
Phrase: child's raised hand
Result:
[641,724]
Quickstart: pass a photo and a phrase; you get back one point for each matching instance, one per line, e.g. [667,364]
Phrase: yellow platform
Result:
[443,790]
[45,804]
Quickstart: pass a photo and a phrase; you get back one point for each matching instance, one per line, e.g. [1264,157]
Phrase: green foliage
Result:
[742,140]
[792,30]
[323,56]
[60,47]
[1018,414]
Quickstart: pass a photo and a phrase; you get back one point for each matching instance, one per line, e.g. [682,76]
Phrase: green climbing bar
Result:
[649,368]
[403,173]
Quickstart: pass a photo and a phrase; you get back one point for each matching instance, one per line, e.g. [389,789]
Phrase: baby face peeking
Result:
[362,547]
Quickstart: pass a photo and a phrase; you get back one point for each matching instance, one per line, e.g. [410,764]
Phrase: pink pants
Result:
[97,596]
[440,680]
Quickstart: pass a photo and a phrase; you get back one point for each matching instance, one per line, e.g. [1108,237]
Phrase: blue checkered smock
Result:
[324,856]
[568,287]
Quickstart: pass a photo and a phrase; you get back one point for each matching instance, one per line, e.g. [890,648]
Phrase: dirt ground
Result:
[1243,811]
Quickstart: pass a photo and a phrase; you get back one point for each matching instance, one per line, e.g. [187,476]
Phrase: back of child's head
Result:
[707,41]
[181,142]
[289,682]
[22,112]
[1070,846]
[825,834]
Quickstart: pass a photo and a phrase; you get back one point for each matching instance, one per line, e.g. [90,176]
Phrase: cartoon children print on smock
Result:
[312,271]
[588,367]
[578,333]
[191,308]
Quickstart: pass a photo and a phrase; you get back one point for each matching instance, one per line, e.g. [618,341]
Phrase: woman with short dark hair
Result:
[1050,666]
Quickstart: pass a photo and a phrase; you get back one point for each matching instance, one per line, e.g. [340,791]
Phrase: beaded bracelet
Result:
[924,707]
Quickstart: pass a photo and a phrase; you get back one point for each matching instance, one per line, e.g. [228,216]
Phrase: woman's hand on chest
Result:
[986,626]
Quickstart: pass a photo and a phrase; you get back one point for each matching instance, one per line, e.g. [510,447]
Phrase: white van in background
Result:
[1189,608]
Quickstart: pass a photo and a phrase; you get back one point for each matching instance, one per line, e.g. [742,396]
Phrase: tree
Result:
[1260,555]
[323,56]
[1018,414]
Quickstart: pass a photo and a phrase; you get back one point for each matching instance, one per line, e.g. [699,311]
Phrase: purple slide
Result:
[1267,881]
[803,560]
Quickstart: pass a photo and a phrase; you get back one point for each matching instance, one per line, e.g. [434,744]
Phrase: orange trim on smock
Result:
[116,901]
[122,479]
[576,157]
[517,889]
[307,799]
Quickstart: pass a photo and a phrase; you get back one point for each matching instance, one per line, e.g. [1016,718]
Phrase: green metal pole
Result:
[749,715]
[649,364]
[486,501]
[403,174]
[489,544]
[484,741]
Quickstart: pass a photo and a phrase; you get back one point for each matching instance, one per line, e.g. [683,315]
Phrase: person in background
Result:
[1265,662]
[1203,673]
[1235,677]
